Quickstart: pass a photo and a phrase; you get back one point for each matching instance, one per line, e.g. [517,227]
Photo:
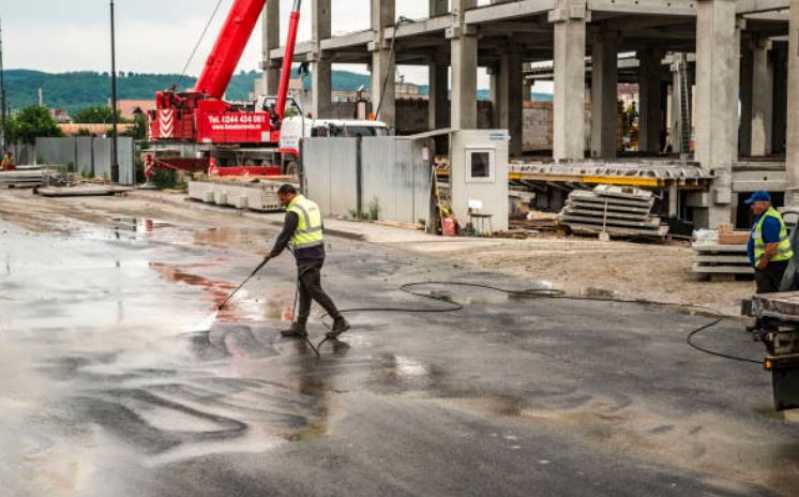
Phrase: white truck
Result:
[296,127]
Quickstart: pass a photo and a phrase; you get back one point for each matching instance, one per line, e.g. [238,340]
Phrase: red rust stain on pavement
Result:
[218,290]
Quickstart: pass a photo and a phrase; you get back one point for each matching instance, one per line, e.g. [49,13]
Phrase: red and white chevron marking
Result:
[166,120]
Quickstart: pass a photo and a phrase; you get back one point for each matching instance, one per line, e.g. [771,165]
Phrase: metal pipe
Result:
[114,116]
[3,107]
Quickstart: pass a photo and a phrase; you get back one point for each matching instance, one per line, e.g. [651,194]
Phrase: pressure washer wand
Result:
[251,276]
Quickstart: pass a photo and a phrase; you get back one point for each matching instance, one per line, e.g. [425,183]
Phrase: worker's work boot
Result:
[340,325]
[297,330]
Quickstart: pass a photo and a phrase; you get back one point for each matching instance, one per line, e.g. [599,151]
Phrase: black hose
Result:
[691,335]
[527,293]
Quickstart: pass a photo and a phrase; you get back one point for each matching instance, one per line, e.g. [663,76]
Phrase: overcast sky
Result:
[153,36]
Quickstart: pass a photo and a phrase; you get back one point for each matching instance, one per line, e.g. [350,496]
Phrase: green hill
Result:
[73,91]
[77,90]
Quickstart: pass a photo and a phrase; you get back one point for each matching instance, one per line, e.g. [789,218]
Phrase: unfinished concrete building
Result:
[723,65]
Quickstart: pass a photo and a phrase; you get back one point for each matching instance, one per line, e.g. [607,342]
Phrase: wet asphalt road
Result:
[116,378]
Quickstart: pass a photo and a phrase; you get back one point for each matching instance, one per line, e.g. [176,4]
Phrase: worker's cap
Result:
[760,196]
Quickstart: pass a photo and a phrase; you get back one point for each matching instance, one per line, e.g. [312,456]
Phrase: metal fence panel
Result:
[127,173]
[330,171]
[24,154]
[56,150]
[85,162]
[396,179]
[102,158]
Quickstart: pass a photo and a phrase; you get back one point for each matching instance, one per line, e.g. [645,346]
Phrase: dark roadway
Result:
[111,383]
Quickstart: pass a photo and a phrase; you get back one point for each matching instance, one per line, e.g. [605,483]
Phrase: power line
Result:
[199,42]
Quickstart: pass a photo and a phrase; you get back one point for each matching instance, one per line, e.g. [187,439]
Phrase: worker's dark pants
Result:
[310,286]
[769,279]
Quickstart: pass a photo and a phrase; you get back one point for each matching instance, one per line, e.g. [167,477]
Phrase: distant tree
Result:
[97,114]
[139,129]
[33,122]
[84,132]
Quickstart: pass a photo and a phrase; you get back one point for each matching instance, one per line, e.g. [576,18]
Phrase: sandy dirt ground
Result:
[577,265]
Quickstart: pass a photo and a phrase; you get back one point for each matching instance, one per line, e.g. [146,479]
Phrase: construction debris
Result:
[613,210]
[87,190]
[22,178]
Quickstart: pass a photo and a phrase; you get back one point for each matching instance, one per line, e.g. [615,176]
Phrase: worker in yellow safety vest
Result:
[303,235]
[769,246]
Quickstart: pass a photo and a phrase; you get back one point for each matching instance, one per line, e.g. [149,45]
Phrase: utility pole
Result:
[114,117]
[3,106]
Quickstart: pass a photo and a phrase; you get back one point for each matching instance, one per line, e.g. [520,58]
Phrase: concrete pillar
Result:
[792,137]
[271,40]
[717,79]
[678,120]
[463,41]
[780,102]
[762,97]
[383,64]
[604,95]
[510,96]
[650,84]
[569,65]
[321,67]
[527,90]
[745,124]
[494,95]
[438,95]
[438,7]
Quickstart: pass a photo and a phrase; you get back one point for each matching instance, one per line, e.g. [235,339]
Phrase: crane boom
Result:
[229,47]
[288,60]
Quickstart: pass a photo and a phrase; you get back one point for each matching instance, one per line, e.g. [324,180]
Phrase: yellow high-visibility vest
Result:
[309,228]
[784,251]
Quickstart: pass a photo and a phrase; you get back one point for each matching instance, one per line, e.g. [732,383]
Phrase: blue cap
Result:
[760,196]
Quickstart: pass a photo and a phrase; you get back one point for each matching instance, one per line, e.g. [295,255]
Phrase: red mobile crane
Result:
[200,116]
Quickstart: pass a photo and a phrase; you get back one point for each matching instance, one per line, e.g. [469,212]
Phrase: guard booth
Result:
[479,178]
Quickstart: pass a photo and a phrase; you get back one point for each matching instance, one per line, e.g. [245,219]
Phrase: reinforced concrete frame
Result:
[740,49]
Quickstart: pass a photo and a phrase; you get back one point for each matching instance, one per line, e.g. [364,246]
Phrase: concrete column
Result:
[678,120]
[383,64]
[762,97]
[780,102]
[746,89]
[463,41]
[792,138]
[321,67]
[569,64]
[650,84]
[604,95]
[527,90]
[717,79]
[510,96]
[438,7]
[271,40]
[438,95]
[495,95]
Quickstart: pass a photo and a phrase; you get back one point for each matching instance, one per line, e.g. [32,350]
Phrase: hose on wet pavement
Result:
[689,340]
[532,293]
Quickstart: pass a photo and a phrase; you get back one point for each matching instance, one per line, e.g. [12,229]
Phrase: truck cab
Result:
[296,127]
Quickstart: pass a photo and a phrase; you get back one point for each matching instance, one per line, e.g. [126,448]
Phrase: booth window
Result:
[480,167]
